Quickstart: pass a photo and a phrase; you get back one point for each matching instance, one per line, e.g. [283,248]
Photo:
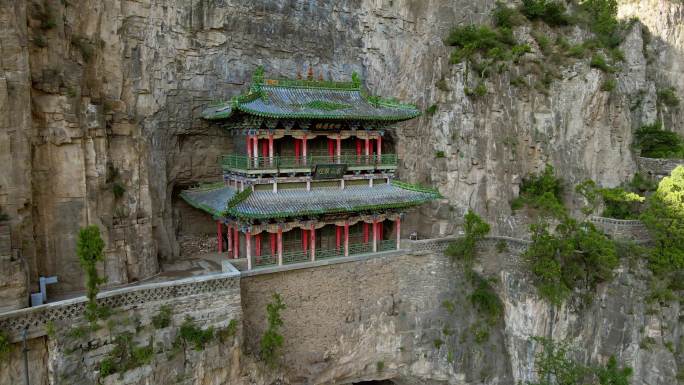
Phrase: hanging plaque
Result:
[330,171]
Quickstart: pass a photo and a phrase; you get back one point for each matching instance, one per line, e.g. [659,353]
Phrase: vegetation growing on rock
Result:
[654,142]
[89,249]
[272,340]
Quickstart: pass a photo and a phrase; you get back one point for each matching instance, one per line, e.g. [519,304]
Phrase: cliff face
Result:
[99,104]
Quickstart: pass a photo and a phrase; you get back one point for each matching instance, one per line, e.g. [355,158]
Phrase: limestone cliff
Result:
[99,124]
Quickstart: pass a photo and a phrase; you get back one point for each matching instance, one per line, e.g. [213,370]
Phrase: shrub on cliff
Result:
[654,142]
[272,340]
[554,365]
[618,202]
[89,249]
[475,229]
[543,192]
[664,218]
[575,256]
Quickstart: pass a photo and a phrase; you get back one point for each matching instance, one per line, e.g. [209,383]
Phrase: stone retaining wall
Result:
[657,168]
[622,229]
[66,349]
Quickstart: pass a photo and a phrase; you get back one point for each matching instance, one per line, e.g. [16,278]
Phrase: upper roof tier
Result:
[308,99]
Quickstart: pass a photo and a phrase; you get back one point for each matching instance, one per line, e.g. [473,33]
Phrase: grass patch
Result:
[543,192]
[192,335]
[163,318]
[668,97]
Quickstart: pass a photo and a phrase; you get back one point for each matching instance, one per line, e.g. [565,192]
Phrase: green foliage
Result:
[50,330]
[481,334]
[554,366]
[479,91]
[485,300]
[228,331]
[126,356]
[356,80]
[501,246]
[505,17]
[77,332]
[431,110]
[552,13]
[543,192]
[475,229]
[609,85]
[380,366]
[664,218]
[449,306]
[40,41]
[439,154]
[5,345]
[89,249]
[438,343]
[45,14]
[192,335]
[84,46]
[576,256]
[618,202]
[118,189]
[272,340]
[163,318]
[599,61]
[668,97]
[472,39]
[655,142]
[602,20]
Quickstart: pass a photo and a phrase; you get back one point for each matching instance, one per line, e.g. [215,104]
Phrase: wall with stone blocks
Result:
[66,350]
[657,168]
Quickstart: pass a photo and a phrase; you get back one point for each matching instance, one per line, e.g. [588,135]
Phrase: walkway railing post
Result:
[375,235]
[397,225]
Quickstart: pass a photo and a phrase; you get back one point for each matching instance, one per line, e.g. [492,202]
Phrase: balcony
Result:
[293,164]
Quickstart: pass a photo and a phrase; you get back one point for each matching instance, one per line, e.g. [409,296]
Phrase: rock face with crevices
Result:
[99,124]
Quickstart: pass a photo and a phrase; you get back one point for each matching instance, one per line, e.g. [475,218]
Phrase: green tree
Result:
[475,229]
[664,218]
[89,249]
[272,340]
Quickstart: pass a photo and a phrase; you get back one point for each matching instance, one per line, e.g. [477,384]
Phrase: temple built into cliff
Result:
[316,178]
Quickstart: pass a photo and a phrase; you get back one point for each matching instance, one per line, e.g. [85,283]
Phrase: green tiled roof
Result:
[295,203]
[287,99]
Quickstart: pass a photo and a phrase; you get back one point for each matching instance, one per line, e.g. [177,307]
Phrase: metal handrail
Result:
[244,162]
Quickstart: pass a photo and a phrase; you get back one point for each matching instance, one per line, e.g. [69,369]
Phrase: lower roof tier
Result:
[224,201]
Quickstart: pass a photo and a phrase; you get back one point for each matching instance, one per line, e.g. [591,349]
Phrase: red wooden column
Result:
[249,146]
[339,148]
[358,147]
[346,239]
[375,236]
[280,247]
[365,232]
[368,146]
[264,149]
[331,147]
[236,239]
[313,242]
[304,147]
[248,248]
[273,244]
[270,147]
[229,230]
[219,234]
[379,146]
[305,241]
[338,237]
[257,244]
[397,229]
[298,150]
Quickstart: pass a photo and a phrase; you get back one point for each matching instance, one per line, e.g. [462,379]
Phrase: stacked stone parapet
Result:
[35,320]
[657,168]
[621,229]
